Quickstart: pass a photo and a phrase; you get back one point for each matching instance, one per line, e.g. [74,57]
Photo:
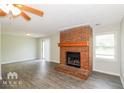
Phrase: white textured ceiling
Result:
[58,17]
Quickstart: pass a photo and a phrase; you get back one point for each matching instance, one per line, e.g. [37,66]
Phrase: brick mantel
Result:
[77,39]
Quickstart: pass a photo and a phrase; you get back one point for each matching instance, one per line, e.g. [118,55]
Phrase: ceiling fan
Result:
[15,10]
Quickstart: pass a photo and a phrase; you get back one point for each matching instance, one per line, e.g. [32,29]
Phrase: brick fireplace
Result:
[76,52]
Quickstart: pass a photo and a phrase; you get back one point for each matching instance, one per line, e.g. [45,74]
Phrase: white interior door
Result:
[46,49]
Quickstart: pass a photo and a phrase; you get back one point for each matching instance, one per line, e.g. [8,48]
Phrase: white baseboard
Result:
[110,73]
[54,61]
[15,61]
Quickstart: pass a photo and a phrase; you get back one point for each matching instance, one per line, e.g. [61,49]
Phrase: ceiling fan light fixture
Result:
[15,11]
[9,7]
[5,8]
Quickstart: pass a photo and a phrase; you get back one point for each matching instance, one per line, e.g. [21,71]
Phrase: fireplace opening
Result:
[73,59]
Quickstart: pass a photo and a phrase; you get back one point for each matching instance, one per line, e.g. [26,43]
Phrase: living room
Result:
[83,49]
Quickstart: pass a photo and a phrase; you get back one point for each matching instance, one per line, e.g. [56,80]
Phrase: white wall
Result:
[54,49]
[0,42]
[122,51]
[0,53]
[39,48]
[103,65]
[18,48]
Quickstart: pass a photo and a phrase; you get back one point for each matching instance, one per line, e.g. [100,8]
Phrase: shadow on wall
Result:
[0,72]
[122,51]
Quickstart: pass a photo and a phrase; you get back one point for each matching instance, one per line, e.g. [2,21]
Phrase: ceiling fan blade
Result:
[25,16]
[29,9]
[2,13]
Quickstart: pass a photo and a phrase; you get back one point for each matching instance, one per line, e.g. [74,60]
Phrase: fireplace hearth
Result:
[73,59]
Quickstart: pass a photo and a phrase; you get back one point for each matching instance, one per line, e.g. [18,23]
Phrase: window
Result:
[105,46]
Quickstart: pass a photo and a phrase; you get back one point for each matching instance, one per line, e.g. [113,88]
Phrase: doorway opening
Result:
[46,49]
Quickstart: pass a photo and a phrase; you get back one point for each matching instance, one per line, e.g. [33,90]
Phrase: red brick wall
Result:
[78,34]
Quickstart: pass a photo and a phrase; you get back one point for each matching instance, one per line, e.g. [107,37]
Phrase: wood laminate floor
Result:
[41,75]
